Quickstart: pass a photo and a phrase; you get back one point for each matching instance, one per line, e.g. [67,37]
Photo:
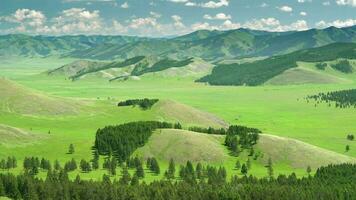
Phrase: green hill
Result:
[259,72]
[15,98]
[11,136]
[182,145]
[171,110]
[136,66]
[298,154]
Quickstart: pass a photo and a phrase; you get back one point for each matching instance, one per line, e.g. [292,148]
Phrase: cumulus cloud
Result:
[178,21]
[285,9]
[125,5]
[346,2]
[326,3]
[219,16]
[273,24]
[337,23]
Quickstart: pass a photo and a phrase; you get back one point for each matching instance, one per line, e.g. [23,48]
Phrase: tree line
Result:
[330,182]
[142,103]
[341,99]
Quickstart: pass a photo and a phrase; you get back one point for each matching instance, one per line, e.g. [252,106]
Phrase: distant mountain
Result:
[24,45]
[133,67]
[259,72]
[208,45]
[214,45]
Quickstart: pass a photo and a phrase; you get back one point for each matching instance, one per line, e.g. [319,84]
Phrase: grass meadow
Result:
[276,110]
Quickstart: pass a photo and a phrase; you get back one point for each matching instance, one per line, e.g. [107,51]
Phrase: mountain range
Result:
[208,45]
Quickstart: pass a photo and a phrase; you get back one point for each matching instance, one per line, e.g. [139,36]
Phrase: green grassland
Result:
[276,110]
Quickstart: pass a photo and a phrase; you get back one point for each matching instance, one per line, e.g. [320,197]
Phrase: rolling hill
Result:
[182,145]
[298,154]
[261,71]
[169,110]
[15,98]
[133,67]
[11,136]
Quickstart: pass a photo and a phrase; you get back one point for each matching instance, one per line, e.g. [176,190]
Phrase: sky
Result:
[162,18]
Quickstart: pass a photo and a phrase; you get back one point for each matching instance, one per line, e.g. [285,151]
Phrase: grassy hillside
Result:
[15,98]
[170,110]
[182,145]
[259,72]
[298,154]
[136,66]
[12,137]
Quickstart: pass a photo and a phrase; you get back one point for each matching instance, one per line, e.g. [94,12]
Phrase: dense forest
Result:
[259,72]
[143,103]
[343,66]
[341,99]
[124,139]
[330,182]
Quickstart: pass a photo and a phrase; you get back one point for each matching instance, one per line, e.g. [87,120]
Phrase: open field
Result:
[276,110]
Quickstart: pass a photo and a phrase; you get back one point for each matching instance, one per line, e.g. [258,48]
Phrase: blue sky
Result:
[159,18]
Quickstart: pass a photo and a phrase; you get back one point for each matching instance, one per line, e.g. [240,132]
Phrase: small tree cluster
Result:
[10,163]
[350,137]
[85,166]
[70,165]
[153,165]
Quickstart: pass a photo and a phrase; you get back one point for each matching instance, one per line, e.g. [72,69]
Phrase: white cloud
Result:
[191,4]
[125,5]
[209,4]
[230,25]
[201,26]
[303,13]
[155,15]
[304,1]
[326,3]
[219,16]
[285,9]
[273,24]
[337,23]
[346,2]
[215,4]
[178,21]
[27,17]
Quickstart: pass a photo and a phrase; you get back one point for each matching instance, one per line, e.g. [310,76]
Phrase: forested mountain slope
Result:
[259,72]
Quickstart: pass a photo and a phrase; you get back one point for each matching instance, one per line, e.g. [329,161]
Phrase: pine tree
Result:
[270,168]
[238,165]
[125,178]
[309,170]
[71,149]
[134,180]
[244,169]
[95,161]
[171,170]
[347,148]
[57,165]
[140,173]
